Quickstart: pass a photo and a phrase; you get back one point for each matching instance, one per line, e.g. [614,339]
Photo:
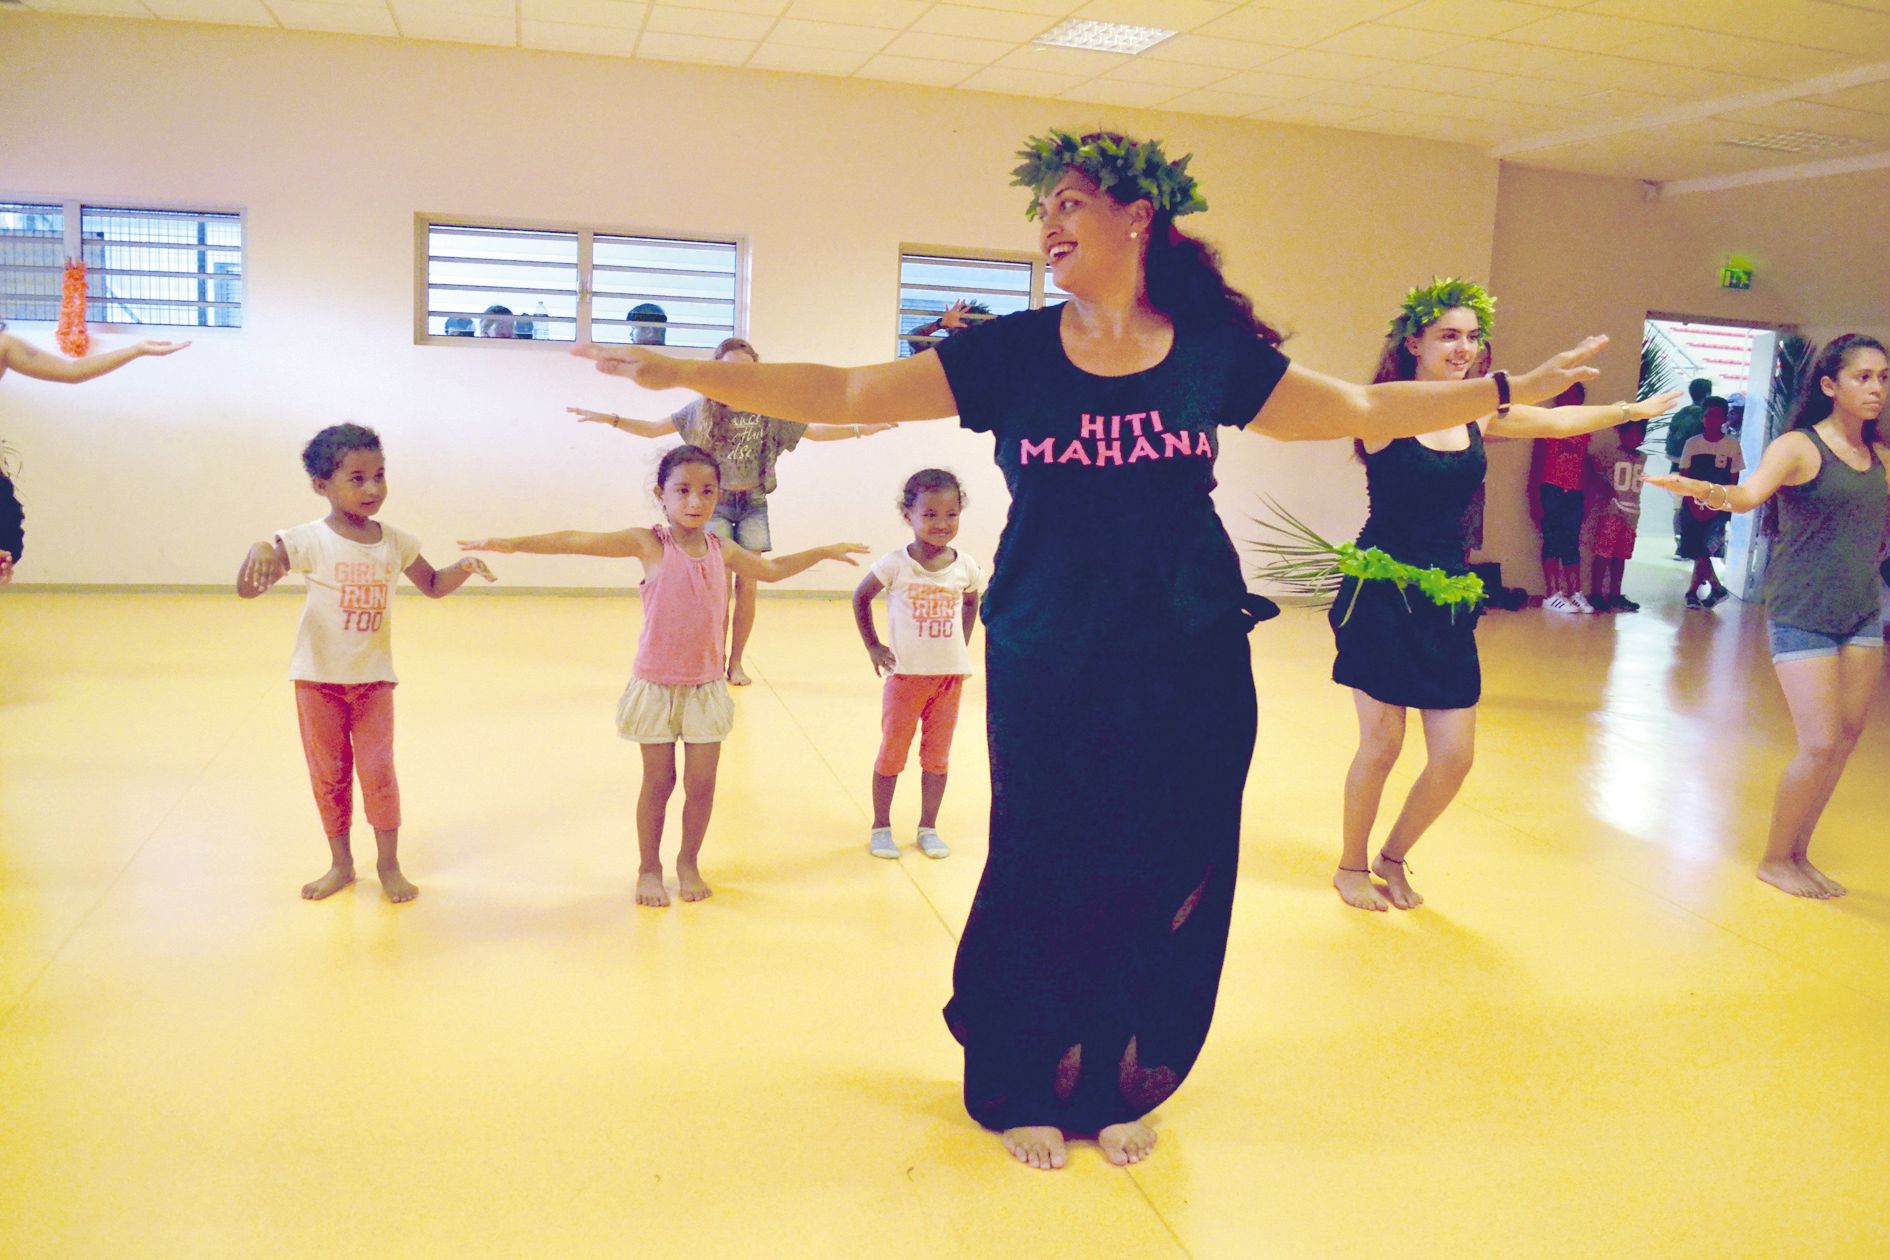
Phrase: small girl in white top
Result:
[932,605]
[343,666]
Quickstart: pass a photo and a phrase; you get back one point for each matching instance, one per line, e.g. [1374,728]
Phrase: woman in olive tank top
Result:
[1822,585]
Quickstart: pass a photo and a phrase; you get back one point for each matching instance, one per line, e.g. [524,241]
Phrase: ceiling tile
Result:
[92,8]
[1499,58]
[1466,17]
[668,46]
[338,19]
[1310,113]
[1426,77]
[975,52]
[611,14]
[1812,116]
[678,21]
[1585,32]
[1231,104]
[507,9]
[1283,87]
[1278,26]
[1042,8]
[220,12]
[432,21]
[1083,61]
[833,36]
[959,19]
[1205,50]
[1839,28]
[773,56]
[1134,95]
[1323,65]
[894,14]
[1871,97]
[1417,126]
[1017,82]
[1169,15]
[1390,42]
[771,8]
[574,37]
[1521,89]
[1167,74]
[915,70]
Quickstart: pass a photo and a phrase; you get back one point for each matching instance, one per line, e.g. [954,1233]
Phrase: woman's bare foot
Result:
[690,881]
[1357,889]
[650,890]
[1040,1145]
[328,885]
[737,676]
[1787,877]
[1403,895]
[1126,1144]
[1831,887]
[396,887]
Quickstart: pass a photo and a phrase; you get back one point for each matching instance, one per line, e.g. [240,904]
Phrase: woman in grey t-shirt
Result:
[1821,587]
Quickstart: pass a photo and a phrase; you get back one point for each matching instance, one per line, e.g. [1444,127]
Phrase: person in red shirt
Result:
[1557,476]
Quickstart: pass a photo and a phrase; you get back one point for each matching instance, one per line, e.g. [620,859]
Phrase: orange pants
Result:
[908,700]
[349,728]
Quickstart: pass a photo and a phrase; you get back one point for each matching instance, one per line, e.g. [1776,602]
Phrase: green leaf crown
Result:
[1128,170]
[1425,306]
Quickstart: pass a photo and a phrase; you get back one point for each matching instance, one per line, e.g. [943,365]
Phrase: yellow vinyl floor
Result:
[1600,1037]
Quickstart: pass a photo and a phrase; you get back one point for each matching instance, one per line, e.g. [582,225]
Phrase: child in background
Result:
[1618,516]
[1711,455]
[679,685]
[932,606]
[1557,472]
[343,666]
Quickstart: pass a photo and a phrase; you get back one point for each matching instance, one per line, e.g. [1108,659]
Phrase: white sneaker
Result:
[1580,601]
[931,845]
[880,843]
[1557,603]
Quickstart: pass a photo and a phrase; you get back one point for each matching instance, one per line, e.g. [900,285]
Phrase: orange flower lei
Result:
[72,336]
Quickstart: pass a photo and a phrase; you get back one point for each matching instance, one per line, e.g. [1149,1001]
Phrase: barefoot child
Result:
[679,687]
[343,666]
[931,607]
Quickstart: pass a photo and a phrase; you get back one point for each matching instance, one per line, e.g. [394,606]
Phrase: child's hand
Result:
[475,567]
[844,551]
[644,366]
[503,546]
[883,659]
[592,417]
[262,569]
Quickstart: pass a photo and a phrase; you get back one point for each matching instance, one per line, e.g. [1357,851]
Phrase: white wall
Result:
[164,472]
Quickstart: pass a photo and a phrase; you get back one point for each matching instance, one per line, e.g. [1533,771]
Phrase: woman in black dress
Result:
[1397,649]
[1121,699]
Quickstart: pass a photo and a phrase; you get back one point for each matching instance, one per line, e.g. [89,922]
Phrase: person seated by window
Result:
[459,326]
[647,322]
[497,321]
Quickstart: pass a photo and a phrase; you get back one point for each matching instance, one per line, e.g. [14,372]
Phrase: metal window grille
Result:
[178,268]
[32,260]
[540,284]
[930,282]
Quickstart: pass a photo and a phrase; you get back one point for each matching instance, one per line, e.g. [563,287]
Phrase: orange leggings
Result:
[349,728]
[910,698]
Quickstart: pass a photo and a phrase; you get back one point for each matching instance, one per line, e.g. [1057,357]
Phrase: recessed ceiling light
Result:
[1791,141]
[1103,36]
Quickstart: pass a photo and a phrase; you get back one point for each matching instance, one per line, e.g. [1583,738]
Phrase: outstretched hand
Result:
[160,348]
[502,546]
[637,363]
[1559,372]
[845,552]
[586,416]
[475,567]
[1658,405]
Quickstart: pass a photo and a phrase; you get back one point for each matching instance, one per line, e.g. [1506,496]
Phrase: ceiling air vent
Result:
[1102,36]
[1791,141]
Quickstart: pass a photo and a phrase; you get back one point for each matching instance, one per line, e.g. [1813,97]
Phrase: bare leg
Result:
[659,780]
[699,766]
[1450,747]
[1829,697]
[745,588]
[340,870]
[931,796]
[883,787]
[1380,737]
[395,886]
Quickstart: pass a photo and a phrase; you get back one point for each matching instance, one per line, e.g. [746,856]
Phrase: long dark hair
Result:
[1185,282]
[1813,403]
[677,456]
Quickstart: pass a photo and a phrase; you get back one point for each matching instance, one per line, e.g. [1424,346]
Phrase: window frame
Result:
[73,211]
[586,235]
[1039,278]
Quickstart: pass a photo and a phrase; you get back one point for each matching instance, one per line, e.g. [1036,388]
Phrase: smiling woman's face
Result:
[1448,347]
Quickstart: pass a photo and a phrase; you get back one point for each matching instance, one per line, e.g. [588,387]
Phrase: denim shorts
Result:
[1789,643]
[741,517]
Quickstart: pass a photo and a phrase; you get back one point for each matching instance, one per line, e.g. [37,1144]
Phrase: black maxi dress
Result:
[1121,722]
[1396,646]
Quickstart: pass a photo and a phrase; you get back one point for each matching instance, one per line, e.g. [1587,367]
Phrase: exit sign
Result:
[1736,274]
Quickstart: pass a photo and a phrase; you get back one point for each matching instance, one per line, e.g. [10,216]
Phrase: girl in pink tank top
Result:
[678,688]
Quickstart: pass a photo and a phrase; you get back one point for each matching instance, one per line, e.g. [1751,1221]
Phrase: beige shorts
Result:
[662,713]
